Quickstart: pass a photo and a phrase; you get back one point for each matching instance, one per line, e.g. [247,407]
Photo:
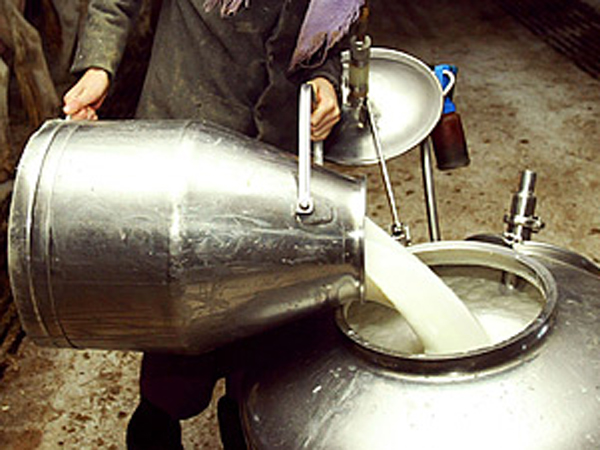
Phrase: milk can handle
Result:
[305,203]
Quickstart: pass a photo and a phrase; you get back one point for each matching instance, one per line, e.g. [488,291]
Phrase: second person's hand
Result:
[326,112]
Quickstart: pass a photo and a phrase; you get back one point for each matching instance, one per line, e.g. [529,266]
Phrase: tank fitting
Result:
[521,222]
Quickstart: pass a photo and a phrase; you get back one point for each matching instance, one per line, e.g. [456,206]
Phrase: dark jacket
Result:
[233,71]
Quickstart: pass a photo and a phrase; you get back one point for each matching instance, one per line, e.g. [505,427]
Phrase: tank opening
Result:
[515,308]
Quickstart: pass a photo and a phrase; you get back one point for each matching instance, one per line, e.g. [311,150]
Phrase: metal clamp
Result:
[305,204]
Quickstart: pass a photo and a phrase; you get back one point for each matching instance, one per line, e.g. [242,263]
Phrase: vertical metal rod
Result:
[428,185]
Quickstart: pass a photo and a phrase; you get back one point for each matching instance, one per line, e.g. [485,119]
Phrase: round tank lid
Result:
[407,102]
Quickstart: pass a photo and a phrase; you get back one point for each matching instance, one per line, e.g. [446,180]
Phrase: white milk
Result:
[434,312]
[502,312]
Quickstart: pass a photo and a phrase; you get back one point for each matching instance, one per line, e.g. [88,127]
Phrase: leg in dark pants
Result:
[228,412]
[172,388]
[176,387]
[151,428]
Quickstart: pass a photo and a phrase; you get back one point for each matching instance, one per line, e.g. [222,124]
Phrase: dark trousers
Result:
[177,387]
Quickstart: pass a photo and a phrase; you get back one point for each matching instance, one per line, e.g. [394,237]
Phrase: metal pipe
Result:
[429,188]
[358,72]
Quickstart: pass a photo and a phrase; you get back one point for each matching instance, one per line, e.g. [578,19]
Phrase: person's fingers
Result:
[320,110]
[87,95]
[326,112]
[323,104]
[71,103]
[325,116]
[85,113]
[324,120]
[91,115]
[83,100]
[328,120]
[320,133]
[78,98]
[79,114]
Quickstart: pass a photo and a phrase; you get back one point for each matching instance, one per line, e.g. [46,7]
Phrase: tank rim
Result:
[505,352]
[544,250]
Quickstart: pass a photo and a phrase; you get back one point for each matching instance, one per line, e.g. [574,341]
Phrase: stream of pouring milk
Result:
[395,276]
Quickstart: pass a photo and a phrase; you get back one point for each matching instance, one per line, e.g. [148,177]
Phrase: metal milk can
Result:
[173,236]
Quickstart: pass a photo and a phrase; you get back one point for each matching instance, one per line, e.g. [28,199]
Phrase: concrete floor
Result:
[523,106]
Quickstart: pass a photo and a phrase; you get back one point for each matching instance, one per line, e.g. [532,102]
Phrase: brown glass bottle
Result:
[449,143]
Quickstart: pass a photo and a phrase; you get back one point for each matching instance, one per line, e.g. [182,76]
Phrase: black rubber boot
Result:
[230,425]
[151,428]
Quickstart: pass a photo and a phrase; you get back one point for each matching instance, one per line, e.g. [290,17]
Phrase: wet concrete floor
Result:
[523,106]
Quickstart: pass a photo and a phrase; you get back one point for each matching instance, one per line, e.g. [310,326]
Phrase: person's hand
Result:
[86,96]
[326,111]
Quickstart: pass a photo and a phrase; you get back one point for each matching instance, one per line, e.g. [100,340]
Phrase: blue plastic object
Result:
[449,105]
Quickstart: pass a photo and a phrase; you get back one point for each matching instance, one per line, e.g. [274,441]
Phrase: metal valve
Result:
[521,222]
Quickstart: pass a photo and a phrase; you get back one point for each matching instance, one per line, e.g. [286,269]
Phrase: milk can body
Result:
[173,236]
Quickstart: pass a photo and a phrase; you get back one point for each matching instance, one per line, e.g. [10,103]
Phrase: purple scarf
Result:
[325,23]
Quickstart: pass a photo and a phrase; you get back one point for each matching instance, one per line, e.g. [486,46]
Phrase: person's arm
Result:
[276,109]
[98,54]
